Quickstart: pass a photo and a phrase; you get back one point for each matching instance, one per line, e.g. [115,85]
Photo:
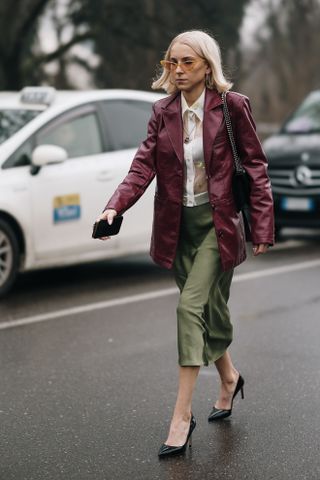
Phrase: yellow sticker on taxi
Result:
[66,208]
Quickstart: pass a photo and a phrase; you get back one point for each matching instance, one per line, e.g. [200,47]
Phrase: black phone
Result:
[103,229]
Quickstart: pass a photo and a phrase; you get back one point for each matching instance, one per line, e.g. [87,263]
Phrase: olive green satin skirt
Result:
[203,318]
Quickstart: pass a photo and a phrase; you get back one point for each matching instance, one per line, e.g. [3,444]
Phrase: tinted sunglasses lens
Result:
[166,65]
[188,66]
[171,66]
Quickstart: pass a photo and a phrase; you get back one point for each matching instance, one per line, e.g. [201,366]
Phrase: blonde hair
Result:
[207,48]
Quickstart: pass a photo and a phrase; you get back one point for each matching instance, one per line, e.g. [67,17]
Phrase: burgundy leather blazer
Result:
[161,155]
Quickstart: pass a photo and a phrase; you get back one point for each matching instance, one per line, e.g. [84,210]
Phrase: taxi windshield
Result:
[12,120]
[306,119]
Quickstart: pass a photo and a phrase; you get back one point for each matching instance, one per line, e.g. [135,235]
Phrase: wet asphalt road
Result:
[90,395]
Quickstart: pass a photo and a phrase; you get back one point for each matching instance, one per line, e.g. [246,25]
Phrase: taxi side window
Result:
[126,122]
[21,157]
[79,136]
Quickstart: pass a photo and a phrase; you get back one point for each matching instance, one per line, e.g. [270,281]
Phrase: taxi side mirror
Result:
[46,154]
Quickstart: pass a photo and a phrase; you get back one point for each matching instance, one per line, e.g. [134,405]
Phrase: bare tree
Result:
[17,30]
[286,64]
[130,37]
[21,55]
[127,36]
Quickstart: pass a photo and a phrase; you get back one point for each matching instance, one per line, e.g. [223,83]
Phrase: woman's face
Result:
[184,78]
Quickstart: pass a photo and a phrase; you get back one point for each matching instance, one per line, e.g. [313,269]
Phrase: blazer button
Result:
[213,206]
[220,234]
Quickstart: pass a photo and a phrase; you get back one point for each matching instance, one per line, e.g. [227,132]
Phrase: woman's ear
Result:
[208,69]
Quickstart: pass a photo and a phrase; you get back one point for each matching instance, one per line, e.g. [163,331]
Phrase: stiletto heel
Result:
[219,413]
[167,450]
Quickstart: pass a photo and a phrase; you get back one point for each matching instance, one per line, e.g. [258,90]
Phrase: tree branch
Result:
[34,14]
[82,63]
[49,57]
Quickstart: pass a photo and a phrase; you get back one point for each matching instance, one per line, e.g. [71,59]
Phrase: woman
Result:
[196,229]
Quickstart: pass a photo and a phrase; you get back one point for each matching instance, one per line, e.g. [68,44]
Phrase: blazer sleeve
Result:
[255,163]
[141,173]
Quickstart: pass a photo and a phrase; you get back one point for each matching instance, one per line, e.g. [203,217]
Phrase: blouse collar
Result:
[197,107]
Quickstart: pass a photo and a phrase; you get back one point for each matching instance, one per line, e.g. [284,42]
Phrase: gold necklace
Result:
[188,134]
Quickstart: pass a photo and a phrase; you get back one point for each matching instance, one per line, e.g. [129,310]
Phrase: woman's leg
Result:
[180,422]
[197,269]
[229,377]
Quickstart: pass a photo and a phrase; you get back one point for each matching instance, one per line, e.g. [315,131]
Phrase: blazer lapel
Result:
[173,123]
[212,120]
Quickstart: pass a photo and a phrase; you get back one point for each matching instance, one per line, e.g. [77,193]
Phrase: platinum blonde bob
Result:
[206,47]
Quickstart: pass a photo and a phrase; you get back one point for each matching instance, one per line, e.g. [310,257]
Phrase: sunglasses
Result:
[185,65]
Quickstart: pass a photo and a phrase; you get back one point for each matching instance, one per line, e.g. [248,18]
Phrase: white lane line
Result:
[150,295]
[89,307]
[277,270]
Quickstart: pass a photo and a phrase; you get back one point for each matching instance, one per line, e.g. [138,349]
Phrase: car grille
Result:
[296,180]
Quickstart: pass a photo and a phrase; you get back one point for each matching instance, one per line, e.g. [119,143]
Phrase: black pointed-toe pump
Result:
[219,413]
[168,450]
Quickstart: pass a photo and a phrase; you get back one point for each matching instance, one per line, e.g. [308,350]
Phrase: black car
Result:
[294,167]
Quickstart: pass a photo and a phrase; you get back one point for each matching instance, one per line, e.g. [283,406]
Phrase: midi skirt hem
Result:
[205,362]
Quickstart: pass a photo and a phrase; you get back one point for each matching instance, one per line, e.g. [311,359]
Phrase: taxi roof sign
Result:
[38,95]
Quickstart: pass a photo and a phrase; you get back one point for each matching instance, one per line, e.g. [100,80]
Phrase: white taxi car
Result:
[62,154]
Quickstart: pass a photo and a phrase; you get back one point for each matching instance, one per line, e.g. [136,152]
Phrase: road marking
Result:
[277,270]
[151,295]
[90,307]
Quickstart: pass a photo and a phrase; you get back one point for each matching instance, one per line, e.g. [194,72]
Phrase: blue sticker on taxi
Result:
[66,208]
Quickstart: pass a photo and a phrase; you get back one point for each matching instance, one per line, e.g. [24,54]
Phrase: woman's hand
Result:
[108,215]
[261,248]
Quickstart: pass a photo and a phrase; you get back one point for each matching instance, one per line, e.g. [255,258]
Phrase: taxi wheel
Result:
[9,257]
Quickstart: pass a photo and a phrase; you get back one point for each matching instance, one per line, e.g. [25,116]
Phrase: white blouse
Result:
[195,179]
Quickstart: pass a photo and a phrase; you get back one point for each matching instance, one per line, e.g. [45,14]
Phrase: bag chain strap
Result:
[239,168]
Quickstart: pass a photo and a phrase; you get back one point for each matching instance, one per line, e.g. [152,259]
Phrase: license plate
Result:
[297,204]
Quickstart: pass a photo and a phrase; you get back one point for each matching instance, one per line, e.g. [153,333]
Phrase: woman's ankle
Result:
[230,378]
[181,416]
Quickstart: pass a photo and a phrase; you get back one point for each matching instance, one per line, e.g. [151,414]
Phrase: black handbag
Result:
[240,179]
